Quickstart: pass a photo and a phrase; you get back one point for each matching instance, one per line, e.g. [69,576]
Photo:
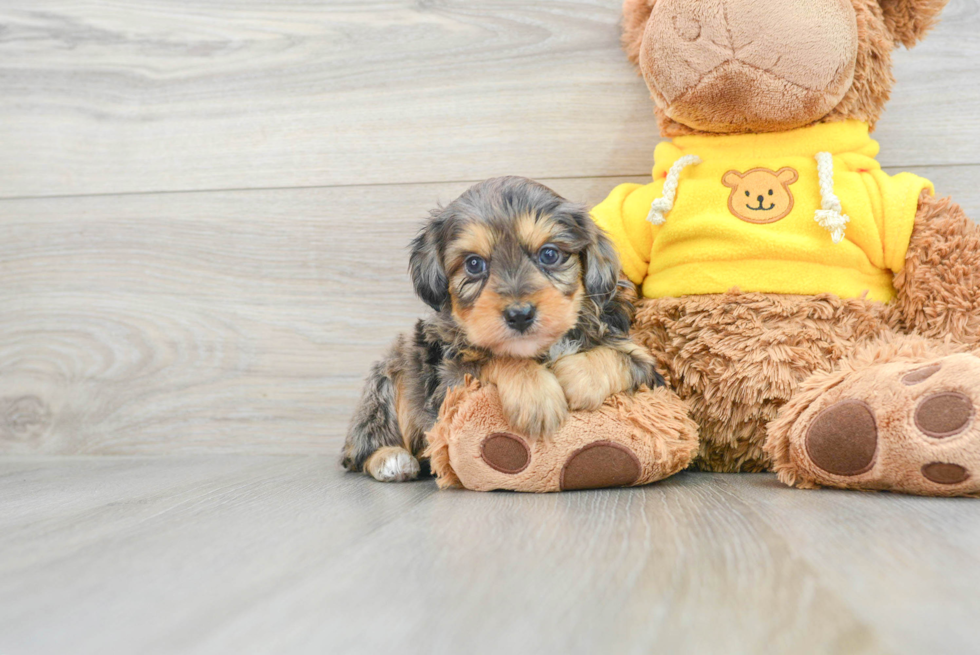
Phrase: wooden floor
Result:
[284,554]
[204,208]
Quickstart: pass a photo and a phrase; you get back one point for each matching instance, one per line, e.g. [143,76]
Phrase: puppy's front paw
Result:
[537,408]
[590,377]
[580,391]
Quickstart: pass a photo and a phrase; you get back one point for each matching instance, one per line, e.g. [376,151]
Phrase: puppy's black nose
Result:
[520,316]
[761,200]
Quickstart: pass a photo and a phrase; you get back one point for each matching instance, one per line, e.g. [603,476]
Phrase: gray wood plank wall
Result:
[204,206]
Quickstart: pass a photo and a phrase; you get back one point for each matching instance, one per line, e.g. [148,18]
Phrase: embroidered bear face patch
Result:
[760,195]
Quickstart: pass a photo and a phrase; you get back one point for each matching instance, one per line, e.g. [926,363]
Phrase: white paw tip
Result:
[397,467]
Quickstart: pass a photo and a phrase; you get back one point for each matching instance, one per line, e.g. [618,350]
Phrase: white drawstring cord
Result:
[663,204]
[831,216]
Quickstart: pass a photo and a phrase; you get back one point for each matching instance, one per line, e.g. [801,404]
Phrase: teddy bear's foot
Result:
[631,440]
[594,466]
[900,416]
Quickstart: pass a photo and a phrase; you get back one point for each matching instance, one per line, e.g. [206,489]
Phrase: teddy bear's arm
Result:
[939,288]
[622,216]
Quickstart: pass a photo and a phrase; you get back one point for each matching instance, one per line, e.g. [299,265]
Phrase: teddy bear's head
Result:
[730,66]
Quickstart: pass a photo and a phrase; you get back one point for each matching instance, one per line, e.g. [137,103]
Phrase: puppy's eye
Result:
[746,194]
[475,266]
[770,192]
[549,256]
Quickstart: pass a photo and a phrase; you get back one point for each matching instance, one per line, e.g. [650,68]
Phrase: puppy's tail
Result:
[375,423]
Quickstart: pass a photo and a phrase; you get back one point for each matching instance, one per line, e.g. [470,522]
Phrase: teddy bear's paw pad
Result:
[843,438]
[505,452]
[598,465]
[944,414]
[896,426]
[944,473]
[920,374]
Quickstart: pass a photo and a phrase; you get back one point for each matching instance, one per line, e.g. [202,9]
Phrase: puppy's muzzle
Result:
[520,316]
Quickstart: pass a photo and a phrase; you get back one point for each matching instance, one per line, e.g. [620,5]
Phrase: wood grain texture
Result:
[204,208]
[174,322]
[151,95]
[201,322]
[219,554]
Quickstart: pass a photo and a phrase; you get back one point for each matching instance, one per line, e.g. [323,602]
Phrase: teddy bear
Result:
[820,317]
[816,316]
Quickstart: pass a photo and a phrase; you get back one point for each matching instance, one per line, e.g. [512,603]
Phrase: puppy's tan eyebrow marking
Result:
[533,232]
[475,238]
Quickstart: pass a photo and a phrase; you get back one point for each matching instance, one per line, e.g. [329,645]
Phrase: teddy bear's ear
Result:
[909,20]
[787,175]
[635,15]
[731,179]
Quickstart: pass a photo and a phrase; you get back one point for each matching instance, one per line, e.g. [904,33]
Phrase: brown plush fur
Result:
[937,290]
[635,15]
[761,373]
[720,66]
[880,27]
[877,375]
[438,437]
[873,79]
[758,365]
[737,357]
[652,424]
[909,20]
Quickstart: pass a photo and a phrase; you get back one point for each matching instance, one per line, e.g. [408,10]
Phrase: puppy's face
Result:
[515,287]
[513,263]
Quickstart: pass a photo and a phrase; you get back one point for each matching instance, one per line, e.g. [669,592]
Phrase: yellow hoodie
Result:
[802,212]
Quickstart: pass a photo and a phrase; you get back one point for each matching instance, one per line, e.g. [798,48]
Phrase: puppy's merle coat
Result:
[527,295]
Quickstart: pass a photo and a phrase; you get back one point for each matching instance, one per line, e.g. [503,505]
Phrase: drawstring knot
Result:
[663,204]
[830,216]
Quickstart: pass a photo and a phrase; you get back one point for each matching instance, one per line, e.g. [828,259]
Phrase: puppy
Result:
[528,297]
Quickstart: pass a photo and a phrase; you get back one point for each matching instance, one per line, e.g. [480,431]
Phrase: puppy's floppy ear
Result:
[425,262]
[635,16]
[909,20]
[601,264]
[603,281]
